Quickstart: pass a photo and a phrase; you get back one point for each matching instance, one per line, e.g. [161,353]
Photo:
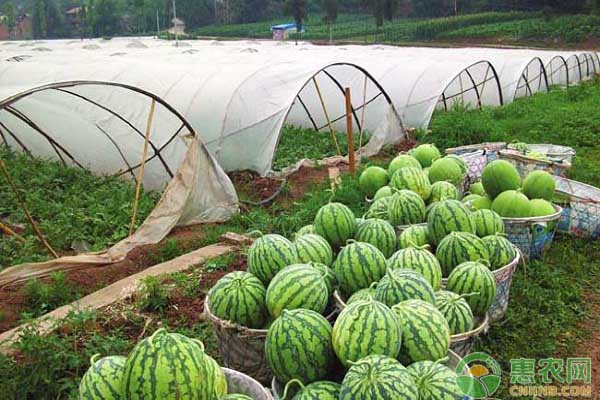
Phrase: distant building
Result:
[23,28]
[178,27]
[282,31]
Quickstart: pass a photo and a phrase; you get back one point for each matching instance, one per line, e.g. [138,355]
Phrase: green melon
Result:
[519,146]
[456,310]
[462,164]
[218,376]
[537,155]
[320,390]
[403,161]
[425,154]
[363,328]
[487,222]
[406,208]
[446,217]
[297,286]
[383,192]
[372,179]
[336,223]
[268,255]
[403,284]
[357,266]
[470,198]
[379,208]
[500,176]
[425,332]
[235,396]
[459,247]
[239,297]
[328,275]
[540,208]
[411,179]
[447,170]
[477,188]
[103,379]
[380,234]
[362,294]
[476,202]
[418,259]
[539,185]
[313,248]
[501,251]
[512,204]
[413,236]
[443,190]
[378,378]
[299,346]
[305,230]
[167,366]
[474,278]
[435,381]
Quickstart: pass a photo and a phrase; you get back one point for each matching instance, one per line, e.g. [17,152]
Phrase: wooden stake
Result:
[337,146]
[21,202]
[138,186]
[7,230]
[351,159]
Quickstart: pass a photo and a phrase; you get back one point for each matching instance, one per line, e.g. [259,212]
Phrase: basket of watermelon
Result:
[535,161]
[553,152]
[581,208]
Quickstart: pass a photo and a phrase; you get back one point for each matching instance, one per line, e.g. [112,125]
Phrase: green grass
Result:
[42,297]
[69,204]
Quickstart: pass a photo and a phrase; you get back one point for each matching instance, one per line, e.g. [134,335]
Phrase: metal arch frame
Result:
[307,82]
[542,74]
[564,63]
[9,103]
[576,67]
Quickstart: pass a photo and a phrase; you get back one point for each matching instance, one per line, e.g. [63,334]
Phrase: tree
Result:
[377,8]
[10,12]
[330,7]
[390,8]
[297,9]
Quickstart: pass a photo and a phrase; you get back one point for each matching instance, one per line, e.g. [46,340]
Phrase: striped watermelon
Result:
[363,328]
[298,346]
[456,310]
[425,332]
[420,260]
[406,208]
[426,154]
[403,284]
[217,375]
[313,248]
[167,366]
[357,266]
[501,250]
[380,234]
[297,286]
[474,278]
[336,223]
[320,390]
[443,190]
[268,255]
[305,230]
[383,192]
[412,179]
[379,208]
[328,275]
[459,247]
[103,379]
[239,297]
[403,161]
[413,236]
[487,222]
[448,216]
[378,377]
[362,294]
[435,381]
[235,396]
[446,169]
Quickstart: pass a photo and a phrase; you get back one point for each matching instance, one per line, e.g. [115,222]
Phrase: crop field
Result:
[551,310]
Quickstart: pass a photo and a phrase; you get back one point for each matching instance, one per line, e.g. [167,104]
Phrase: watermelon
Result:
[359,222]
[297,286]
[357,266]
[372,179]
[239,297]
[435,381]
[320,390]
[540,208]
[537,155]
[512,204]
[426,172]
[406,208]
[487,222]
[446,169]
[411,179]
[298,346]
[336,223]
[380,234]
[539,185]
[103,379]
[459,247]
[167,366]
[217,375]
[519,146]
[500,176]
[443,190]
[476,202]
[383,192]
[379,208]
[305,230]
[462,164]
[425,154]
[403,161]
[425,332]
[449,216]
[456,310]
[477,188]
[470,198]
[235,396]
[501,251]
[313,248]
[363,328]
[420,260]
[268,255]
[474,278]
[378,377]
[328,275]
[362,294]
[403,284]
[413,236]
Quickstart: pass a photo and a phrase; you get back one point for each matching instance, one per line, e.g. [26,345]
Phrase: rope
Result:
[337,146]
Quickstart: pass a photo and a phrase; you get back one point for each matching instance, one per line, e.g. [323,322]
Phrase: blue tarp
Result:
[286,27]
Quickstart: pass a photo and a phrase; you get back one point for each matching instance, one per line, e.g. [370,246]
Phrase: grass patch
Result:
[42,297]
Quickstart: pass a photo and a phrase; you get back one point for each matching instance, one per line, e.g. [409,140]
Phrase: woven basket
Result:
[532,235]
[581,210]
[243,384]
[553,151]
[476,162]
[525,165]
[490,149]
[462,343]
[503,277]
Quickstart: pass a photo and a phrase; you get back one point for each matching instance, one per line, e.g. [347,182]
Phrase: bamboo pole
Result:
[7,230]
[337,146]
[351,159]
[138,186]
[21,202]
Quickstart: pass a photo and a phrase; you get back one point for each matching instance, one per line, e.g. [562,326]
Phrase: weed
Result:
[153,294]
[188,283]
[41,297]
